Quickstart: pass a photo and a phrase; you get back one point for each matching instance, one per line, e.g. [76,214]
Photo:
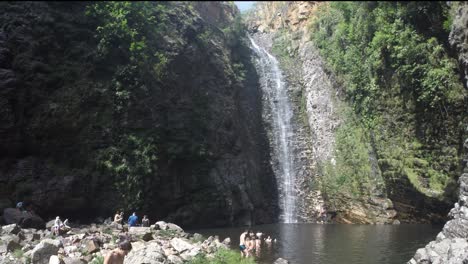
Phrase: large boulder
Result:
[9,244]
[92,246]
[11,229]
[24,219]
[174,227]
[181,245]
[42,251]
[152,253]
[143,233]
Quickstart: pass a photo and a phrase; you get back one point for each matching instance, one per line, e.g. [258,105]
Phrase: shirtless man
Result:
[118,218]
[117,255]
[242,243]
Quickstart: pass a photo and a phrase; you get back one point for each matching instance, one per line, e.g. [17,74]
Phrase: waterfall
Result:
[275,91]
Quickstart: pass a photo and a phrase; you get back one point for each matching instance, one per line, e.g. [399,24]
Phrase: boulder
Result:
[160,225]
[151,254]
[143,233]
[12,229]
[92,246]
[138,245]
[174,227]
[281,261]
[181,245]
[9,244]
[50,224]
[173,259]
[24,219]
[198,237]
[190,254]
[73,261]
[30,237]
[42,251]
[227,241]
[54,259]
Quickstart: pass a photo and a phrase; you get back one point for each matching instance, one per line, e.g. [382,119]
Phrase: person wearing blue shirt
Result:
[132,220]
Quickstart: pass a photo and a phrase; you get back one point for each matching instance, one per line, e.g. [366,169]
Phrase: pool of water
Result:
[335,244]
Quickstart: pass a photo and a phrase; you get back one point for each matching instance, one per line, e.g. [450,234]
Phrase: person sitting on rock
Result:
[57,226]
[117,255]
[118,218]
[145,221]
[132,220]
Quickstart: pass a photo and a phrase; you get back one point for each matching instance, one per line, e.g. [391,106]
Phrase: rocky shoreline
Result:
[160,243]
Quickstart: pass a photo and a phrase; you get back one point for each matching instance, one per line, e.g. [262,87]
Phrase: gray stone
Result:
[190,254]
[181,245]
[143,233]
[92,246]
[151,254]
[174,227]
[173,259]
[281,261]
[74,260]
[138,245]
[11,229]
[24,219]
[9,244]
[227,241]
[161,225]
[54,259]
[42,251]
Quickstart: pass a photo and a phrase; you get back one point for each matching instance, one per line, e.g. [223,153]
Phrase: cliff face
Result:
[81,116]
[451,244]
[330,130]
[273,16]
[314,94]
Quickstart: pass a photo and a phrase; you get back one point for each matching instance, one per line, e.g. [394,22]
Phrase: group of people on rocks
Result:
[251,243]
[132,220]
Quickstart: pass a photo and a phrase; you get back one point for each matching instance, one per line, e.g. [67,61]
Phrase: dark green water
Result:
[336,244]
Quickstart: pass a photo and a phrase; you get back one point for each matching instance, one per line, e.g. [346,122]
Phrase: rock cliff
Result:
[322,112]
[451,244]
[283,28]
[75,102]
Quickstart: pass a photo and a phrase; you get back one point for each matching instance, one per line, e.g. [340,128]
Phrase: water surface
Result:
[336,244]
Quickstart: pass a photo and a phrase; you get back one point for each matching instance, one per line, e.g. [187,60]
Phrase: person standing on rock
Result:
[117,255]
[133,219]
[242,243]
[57,226]
[145,221]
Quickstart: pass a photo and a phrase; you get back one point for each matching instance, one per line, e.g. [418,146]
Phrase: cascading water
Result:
[271,80]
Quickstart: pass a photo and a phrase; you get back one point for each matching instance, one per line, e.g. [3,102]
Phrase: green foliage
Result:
[128,27]
[235,36]
[97,260]
[351,172]
[18,253]
[132,162]
[401,83]
[130,38]
[223,256]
